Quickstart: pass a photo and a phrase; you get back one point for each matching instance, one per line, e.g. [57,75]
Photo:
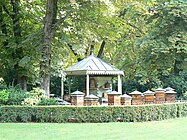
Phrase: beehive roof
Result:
[92,96]
[77,93]
[149,92]
[136,92]
[114,92]
[126,96]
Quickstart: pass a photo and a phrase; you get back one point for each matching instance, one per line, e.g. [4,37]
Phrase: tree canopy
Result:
[145,38]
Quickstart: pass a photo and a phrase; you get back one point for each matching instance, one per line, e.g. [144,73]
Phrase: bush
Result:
[16,96]
[48,101]
[30,101]
[2,83]
[1,80]
[37,93]
[185,95]
[58,114]
[3,97]
[34,97]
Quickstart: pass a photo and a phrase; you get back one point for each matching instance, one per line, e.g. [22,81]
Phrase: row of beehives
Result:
[160,96]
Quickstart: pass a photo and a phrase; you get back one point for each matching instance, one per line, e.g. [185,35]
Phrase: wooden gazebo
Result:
[93,66]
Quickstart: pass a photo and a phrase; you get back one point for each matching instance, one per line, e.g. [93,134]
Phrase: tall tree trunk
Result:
[21,80]
[16,21]
[49,31]
[3,26]
[176,69]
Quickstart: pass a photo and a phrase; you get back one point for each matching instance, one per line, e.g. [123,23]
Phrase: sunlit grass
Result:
[172,129]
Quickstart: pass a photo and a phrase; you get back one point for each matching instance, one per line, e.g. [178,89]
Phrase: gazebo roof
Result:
[94,66]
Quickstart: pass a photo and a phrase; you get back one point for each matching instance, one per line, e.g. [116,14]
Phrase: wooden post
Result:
[69,86]
[119,84]
[62,87]
[87,85]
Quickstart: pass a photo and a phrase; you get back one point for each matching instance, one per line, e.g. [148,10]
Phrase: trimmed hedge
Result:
[58,114]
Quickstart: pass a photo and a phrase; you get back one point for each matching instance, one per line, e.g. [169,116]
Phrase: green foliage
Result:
[30,101]
[185,95]
[48,101]
[149,36]
[60,114]
[4,96]
[1,80]
[179,82]
[20,39]
[163,49]
[36,93]
[34,97]
[132,85]
[2,84]
[55,86]
[16,96]
[77,83]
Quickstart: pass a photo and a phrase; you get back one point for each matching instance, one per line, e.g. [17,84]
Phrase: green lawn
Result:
[173,129]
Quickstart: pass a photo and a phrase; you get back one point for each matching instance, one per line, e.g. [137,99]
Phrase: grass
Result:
[172,129]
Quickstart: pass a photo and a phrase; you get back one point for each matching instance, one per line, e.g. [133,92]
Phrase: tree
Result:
[20,26]
[48,34]
[163,49]
[14,15]
[39,39]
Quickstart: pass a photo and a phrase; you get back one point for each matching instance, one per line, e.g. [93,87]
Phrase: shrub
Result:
[4,96]
[37,93]
[30,101]
[185,95]
[57,114]
[48,101]
[16,96]
[1,80]
[34,97]
[2,83]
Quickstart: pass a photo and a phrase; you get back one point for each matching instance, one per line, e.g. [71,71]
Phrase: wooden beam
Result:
[87,84]
[62,87]
[119,84]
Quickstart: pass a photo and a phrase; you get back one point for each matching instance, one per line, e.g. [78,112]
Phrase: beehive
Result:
[149,97]
[77,98]
[160,96]
[125,99]
[170,95]
[91,100]
[114,98]
[137,98]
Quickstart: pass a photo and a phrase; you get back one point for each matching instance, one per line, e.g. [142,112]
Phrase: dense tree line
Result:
[146,39]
